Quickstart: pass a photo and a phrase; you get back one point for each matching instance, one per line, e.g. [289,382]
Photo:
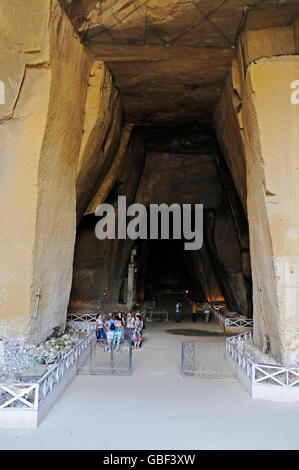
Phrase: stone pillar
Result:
[45,76]
[268,125]
[131,287]
[272,153]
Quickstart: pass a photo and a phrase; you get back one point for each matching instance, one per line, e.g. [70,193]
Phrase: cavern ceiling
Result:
[170,58]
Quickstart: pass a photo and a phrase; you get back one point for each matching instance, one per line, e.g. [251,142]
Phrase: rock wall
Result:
[101,134]
[45,72]
[193,171]
[100,265]
[231,143]
[269,132]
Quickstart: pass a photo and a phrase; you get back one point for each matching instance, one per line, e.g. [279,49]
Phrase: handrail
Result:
[260,373]
[34,393]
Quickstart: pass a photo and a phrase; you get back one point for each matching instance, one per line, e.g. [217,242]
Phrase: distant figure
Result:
[206,312]
[178,312]
[100,327]
[194,311]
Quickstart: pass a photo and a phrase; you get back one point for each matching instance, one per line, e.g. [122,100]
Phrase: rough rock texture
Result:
[228,117]
[193,172]
[109,179]
[100,265]
[41,128]
[170,58]
[67,143]
[179,178]
[22,118]
[270,141]
[101,134]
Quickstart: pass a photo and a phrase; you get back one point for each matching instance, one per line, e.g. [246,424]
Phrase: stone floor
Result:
[157,409]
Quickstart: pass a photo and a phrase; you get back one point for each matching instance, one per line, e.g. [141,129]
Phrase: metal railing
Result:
[237,354]
[218,317]
[75,326]
[204,359]
[20,395]
[100,361]
[82,317]
[266,374]
[239,322]
[232,322]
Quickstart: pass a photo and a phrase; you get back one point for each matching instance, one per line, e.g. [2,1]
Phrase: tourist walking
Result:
[178,312]
[100,328]
[110,327]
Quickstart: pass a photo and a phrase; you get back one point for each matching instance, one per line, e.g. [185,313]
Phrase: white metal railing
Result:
[232,322]
[86,317]
[80,326]
[266,374]
[58,371]
[218,316]
[20,395]
[239,322]
[243,360]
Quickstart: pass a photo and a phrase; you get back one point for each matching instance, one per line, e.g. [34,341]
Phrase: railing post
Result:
[36,396]
[182,360]
[91,355]
[253,373]
[111,360]
[130,359]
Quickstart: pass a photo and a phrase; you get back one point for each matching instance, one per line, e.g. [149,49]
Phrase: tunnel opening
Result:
[181,164]
[110,100]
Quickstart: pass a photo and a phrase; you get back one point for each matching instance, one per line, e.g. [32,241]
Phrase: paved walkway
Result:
[157,409]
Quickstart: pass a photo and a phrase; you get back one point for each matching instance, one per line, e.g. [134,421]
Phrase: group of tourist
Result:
[113,329]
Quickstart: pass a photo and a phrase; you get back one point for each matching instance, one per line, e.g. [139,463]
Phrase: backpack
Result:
[112,326]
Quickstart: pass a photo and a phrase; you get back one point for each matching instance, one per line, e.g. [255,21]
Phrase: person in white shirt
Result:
[178,312]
